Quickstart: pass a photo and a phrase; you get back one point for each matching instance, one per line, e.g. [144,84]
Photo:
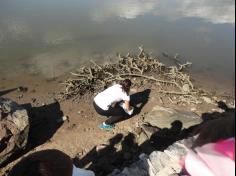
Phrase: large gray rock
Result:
[159,163]
[14,128]
[163,117]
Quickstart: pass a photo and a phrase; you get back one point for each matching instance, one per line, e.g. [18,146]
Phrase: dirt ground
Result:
[78,135]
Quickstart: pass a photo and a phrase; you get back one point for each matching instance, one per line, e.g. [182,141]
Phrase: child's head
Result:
[44,163]
[126,84]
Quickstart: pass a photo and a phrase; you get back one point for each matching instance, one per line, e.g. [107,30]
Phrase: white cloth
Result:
[130,112]
[81,172]
[111,95]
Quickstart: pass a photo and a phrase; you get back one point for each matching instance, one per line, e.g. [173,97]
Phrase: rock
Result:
[14,128]
[137,169]
[63,119]
[138,130]
[142,138]
[149,130]
[163,117]
[159,163]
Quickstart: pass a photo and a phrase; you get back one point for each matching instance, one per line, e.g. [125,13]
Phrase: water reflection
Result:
[19,21]
[54,36]
[217,11]
[128,9]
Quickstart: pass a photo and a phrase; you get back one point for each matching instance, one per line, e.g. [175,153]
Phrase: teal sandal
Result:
[105,126]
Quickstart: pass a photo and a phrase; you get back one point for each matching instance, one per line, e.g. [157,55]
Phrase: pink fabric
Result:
[213,159]
[218,163]
[226,147]
[195,166]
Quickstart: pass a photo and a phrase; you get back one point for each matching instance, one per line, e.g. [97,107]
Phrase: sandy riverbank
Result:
[76,137]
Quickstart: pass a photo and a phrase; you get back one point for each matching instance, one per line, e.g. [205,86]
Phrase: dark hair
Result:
[44,163]
[215,130]
[126,84]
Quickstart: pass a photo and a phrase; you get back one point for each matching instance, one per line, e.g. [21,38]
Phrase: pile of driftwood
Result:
[173,81]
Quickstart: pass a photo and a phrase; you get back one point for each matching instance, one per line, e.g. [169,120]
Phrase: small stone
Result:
[22,89]
[186,88]
[80,112]
[142,138]
[63,119]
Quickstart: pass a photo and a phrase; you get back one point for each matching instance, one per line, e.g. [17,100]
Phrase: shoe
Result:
[107,127]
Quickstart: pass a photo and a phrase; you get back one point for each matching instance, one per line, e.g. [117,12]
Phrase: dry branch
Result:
[94,78]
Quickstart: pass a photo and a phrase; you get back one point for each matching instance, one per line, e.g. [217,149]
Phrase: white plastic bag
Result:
[130,112]
[122,105]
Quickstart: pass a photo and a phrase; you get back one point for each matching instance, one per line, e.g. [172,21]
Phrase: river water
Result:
[51,37]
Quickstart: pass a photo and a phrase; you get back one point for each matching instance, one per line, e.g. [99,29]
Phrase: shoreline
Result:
[29,80]
[83,120]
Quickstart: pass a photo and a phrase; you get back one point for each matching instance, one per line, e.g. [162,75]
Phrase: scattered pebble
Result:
[72,126]
[20,96]
[80,112]
[22,89]
[63,119]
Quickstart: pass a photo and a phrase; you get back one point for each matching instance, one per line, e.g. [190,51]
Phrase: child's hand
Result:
[122,105]
[130,112]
